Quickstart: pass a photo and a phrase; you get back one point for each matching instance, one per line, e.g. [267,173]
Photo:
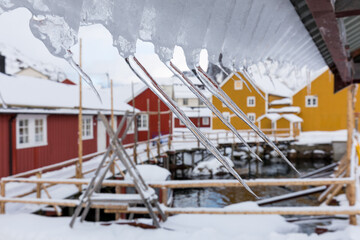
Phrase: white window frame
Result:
[248,101]
[205,120]
[131,128]
[181,123]
[251,117]
[311,98]
[87,120]
[144,118]
[31,131]
[226,116]
[240,87]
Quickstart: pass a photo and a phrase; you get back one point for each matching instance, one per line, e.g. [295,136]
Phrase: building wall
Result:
[265,123]
[192,102]
[62,137]
[4,144]
[141,104]
[198,122]
[240,98]
[330,114]
[31,73]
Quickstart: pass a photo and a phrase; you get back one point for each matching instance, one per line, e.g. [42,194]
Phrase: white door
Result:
[101,136]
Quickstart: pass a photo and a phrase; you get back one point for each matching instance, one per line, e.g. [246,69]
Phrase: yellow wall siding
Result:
[273,97]
[240,98]
[330,114]
[282,123]
[265,123]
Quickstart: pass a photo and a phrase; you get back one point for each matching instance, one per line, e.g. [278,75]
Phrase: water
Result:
[275,168]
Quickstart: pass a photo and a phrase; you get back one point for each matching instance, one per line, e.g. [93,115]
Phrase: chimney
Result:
[2,63]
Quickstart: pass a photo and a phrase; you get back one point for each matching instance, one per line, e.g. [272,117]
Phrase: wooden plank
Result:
[196,183]
[259,211]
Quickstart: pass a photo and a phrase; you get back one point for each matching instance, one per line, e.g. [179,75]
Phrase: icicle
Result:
[4,105]
[267,72]
[248,77]
[201,96]
[183,118]
[219,93]
[83,75]
[238,75]
[308,82]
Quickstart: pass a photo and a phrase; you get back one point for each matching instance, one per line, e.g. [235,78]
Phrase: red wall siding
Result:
[195,120]
[141,103]
[62,144]
[4,144]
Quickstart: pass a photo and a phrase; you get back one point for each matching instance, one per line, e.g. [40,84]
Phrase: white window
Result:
[223,105]
[205,121]
[251,101]
[131,128]
[185,101]
[181,123]
[226,116]
[31,131]
[251,116]
[238,84]
[142,122]
[87,127]
[311,101]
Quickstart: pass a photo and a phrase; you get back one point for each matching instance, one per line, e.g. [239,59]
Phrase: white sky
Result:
[99,56]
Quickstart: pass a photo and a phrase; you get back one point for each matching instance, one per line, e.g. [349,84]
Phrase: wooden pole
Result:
[170,132]
[80,130]
[38,186]
[350,188]
[112,167]
[2,204]
[148,131]
[135,125]
[159,129]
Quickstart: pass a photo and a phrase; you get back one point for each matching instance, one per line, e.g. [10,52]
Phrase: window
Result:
[238,85]
[226,116]
[131,128]
[205,121]
[87,127]
[31,131]
[185,101]
[200,102]
[181,123]
[311,101]
[142,122]
[251,101]
[251,116]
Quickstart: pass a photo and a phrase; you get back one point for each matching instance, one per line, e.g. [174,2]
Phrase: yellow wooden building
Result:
[321,109]
[267,108]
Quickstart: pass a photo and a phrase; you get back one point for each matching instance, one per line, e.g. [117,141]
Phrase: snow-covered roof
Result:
[292,118]
[291,109]
[272,116]
[197,112]
[16,61]
[182,91]
[23,91]
[271,86]
[283,101]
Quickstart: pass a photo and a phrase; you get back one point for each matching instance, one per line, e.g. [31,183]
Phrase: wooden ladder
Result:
[145,195]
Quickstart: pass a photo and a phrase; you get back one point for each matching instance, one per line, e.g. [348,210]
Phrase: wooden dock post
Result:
[2,204]
[350,188]
[148,131]
[112,167]
[38,186]
[80,130]
[135,125]
[170,133]
[159,130]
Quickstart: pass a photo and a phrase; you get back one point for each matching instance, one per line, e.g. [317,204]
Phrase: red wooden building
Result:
[40,125]
[200,116]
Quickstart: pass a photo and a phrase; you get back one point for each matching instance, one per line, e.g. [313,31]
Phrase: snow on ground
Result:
[197,227]
[319,137]
[211,166]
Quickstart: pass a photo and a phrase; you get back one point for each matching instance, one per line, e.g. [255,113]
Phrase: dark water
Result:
[220,197]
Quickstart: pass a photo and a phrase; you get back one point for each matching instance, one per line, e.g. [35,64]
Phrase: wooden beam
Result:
[194,183]
[324,16]
[80,143]
[346,8]
[330,210]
